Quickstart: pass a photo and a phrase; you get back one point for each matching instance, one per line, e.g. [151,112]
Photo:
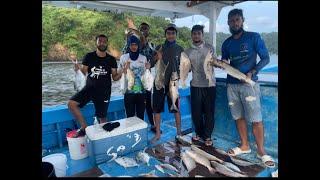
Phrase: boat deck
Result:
[82,168]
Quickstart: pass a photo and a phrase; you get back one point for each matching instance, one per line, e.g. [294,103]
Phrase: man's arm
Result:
[116,74]
[263,53]
[155,56]
[83,68]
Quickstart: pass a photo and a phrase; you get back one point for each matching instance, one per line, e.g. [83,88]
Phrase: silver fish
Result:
[126,162]
[188,161]
[143,157]
[205,154]
[147,80]
[275,173]
[169,166]
[149,174]
[240,162]
[232,167]
[160,72]
[127,81]
[232,71]
[184,140]
[185,66]
[208,68]
[174,90]
[159,168]
[221,151]
[133,31]
[168,148]
[105,175]
[198,176]
[201,160]
[79,79]
[173,175]
[225,170]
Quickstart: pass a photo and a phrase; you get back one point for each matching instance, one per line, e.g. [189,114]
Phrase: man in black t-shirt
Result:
[98,66]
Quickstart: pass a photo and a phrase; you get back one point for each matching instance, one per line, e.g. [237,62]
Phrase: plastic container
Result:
[59,161]
[77,146]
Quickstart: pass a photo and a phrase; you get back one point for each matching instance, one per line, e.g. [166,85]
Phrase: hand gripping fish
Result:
[79,79]
[232,71]
[185,67]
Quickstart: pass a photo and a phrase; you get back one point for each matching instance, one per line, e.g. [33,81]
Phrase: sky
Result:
[260,16]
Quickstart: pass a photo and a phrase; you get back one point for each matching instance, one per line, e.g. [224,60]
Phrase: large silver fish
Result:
[169,166]
[174,90]
[240,162]
[147,80]
[160,72]
[232,71]
[79,79]
[185,66]
[126,162]
[222,169]
[208,68]
[149,174]
[127,81]
[232,167]
[188,161]
[142,156]
[201,160]
[205,154]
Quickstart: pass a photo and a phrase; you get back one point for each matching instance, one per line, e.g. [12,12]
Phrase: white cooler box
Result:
[130,136]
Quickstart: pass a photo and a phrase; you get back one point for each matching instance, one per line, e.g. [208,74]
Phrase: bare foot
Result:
[155,139]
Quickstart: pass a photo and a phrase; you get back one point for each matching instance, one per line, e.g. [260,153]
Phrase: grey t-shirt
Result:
[197,55]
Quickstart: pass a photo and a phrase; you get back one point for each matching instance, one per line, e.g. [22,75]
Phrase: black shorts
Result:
[158,98]
[99,96]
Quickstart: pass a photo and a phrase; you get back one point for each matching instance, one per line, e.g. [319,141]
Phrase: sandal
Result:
[208,142]
[196,138]
[238,151]
[266,158]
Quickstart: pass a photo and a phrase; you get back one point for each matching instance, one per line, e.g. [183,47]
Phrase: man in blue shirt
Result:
[241,50]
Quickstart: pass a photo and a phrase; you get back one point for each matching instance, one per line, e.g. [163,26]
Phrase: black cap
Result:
[171,25]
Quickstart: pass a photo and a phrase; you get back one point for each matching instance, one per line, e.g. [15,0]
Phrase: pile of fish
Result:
[127,81]
[147,80]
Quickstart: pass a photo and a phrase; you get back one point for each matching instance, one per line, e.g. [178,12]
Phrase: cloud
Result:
[263,20]
[222,28]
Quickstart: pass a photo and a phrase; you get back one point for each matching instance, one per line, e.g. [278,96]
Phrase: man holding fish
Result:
[167,62]
[202,90]
[241,50]
[98,66]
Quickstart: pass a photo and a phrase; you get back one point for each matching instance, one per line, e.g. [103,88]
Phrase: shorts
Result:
[244,101]
[99,96]
[158,98]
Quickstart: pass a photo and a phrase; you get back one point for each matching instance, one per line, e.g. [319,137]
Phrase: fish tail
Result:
[212,170]
[173,107]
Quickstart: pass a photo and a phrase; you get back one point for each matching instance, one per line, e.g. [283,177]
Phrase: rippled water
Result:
[57,82]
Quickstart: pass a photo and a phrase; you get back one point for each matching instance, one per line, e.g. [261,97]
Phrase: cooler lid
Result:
[126,125]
